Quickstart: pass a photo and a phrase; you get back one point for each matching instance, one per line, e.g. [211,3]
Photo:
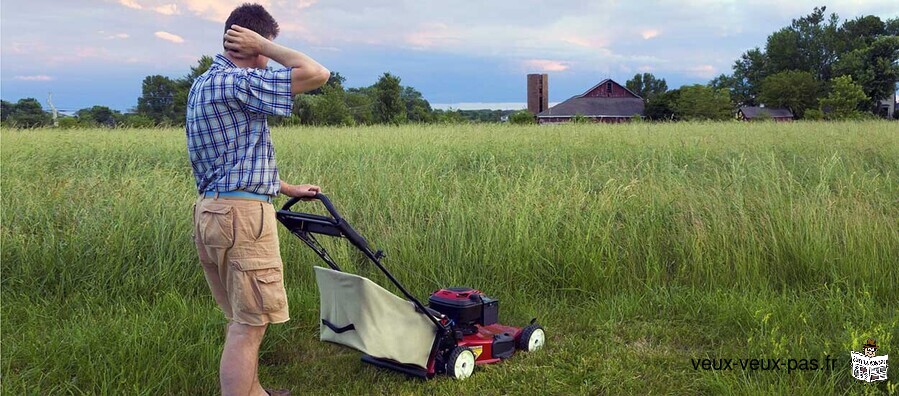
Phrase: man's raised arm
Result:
[306,73]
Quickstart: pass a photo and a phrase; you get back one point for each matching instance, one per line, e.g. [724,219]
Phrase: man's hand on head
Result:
[244,43]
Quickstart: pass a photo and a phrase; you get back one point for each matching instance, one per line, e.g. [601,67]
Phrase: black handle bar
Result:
[319,196]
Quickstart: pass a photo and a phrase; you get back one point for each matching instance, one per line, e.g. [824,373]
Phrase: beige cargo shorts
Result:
[237,241]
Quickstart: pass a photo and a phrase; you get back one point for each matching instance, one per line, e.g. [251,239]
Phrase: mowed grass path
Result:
[638,246]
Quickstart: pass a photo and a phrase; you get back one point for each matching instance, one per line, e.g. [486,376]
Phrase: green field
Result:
[638,246]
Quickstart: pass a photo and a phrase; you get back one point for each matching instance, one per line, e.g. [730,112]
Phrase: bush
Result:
[579,119]
[522,117]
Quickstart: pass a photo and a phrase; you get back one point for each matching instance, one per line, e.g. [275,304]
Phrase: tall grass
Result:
[634,234]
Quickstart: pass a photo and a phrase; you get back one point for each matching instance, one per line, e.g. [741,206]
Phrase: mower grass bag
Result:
[358,313]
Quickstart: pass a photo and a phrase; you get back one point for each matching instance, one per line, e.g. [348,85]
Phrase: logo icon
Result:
[869,367]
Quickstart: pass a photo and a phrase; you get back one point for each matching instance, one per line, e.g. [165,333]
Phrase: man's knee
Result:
[246,332]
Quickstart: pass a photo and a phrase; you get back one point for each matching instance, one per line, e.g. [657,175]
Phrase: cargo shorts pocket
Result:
[216,225]
[258,285]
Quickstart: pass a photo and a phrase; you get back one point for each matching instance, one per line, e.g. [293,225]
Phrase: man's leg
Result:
[240,360]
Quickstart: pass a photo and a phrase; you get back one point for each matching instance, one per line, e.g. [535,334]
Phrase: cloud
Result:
[167,9]
[704,71]
[119,36]
[170,37]
[131,4]
[546,65]
[432,35]
[649,33]
[39,77]
[219,10]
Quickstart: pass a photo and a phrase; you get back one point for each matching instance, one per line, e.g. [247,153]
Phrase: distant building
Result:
[751,113]
[538,93]
[607,101]
[886,107]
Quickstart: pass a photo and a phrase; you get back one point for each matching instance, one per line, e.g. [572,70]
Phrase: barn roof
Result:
[755,111]
[596,107]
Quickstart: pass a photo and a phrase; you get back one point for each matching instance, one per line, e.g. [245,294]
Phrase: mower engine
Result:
[465,306]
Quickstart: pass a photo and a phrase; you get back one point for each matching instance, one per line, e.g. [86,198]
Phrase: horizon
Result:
[462,57]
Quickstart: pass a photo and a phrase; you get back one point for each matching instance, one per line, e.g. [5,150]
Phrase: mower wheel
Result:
[460,363]
[532,338]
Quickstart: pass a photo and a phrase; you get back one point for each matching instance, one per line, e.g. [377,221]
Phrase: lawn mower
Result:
[456,331]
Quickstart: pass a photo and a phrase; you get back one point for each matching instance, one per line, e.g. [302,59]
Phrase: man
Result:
[233,162]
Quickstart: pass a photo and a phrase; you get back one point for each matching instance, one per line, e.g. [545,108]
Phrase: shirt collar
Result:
[223,62]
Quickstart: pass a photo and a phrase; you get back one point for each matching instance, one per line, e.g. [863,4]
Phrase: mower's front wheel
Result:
[532,338]
[460,363]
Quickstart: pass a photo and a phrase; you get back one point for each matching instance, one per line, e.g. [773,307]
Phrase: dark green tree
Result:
[700,102]
[844,100]
[662,107]
[334,79]
[647,86]
[417,108]
[28,113]
[809,43]
[6,108]
[332,108]
[388,106]
[875,68]
[99,116]
[157,100]
[793,90]
[748,73]
[183,88]
[522,117]
[360,105]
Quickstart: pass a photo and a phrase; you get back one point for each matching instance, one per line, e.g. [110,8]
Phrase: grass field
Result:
[638,246]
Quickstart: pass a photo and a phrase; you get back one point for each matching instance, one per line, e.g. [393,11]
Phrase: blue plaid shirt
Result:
[228,139]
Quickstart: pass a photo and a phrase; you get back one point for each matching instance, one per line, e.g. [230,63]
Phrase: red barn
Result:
[607,101]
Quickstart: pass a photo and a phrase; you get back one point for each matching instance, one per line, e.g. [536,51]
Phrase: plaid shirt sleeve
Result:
[265,91]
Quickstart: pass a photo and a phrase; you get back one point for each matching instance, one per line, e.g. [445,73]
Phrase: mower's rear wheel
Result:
[532,338]
[460,363]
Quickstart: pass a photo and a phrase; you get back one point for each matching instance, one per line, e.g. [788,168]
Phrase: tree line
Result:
[817,67]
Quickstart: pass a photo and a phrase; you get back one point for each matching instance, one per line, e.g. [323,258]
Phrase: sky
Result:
[459,54]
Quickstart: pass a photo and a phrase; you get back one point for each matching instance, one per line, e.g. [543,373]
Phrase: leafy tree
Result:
[748,73]
[647,86]
[808,44]
[157,100]
[700,102]
[6,109]
[522,117]
[844,99]
[133,120]
[332,108]
[662,107]
[334,79]
[794,90]
[417,108]
[859,33]
[360,106]
[28,113]
[875,68]
[98,115]
[388,106]
[307,109]
[183,88]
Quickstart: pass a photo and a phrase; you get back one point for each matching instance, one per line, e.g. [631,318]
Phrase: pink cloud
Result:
[432,35]
[649,33]
[167,9]
[546,65]
[131,4]
[169,37]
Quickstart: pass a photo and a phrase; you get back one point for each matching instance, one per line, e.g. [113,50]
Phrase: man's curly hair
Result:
[255,18]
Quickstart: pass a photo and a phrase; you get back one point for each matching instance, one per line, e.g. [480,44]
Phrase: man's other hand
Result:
[244,43]
[302,191]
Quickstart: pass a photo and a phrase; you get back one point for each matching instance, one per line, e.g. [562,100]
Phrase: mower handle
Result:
[319,196]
